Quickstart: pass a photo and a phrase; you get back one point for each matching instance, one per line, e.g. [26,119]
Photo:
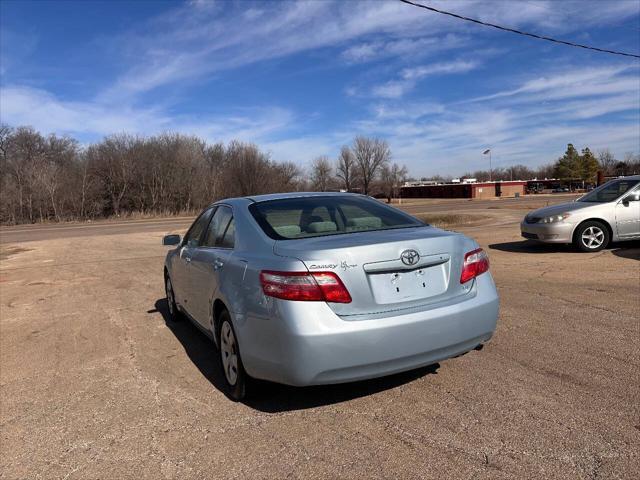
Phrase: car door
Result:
[207,268]
[628,215]
[180,268]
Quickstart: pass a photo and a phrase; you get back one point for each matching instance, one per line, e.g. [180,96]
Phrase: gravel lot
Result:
[95,384]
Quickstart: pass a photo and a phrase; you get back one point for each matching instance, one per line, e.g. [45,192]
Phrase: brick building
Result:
[466,190]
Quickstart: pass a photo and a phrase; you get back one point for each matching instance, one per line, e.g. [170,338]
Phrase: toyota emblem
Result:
[410,257]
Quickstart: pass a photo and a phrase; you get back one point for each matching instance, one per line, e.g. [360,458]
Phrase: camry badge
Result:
[323,266]
[409,257]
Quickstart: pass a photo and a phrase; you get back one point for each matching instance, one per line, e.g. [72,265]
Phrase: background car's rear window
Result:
[304,217]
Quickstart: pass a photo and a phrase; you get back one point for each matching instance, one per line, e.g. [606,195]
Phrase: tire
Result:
[174,314]
[236,379]
[591,236]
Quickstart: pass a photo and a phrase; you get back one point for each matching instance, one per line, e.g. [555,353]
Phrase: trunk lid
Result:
[370,265]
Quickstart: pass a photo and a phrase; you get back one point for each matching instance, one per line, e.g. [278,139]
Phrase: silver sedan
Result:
[611,212]
[308,289]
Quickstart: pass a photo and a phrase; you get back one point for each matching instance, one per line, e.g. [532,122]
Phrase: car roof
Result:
[238,201]
[279,196]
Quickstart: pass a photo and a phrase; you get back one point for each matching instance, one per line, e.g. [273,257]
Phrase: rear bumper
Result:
[560,232]
[311,345]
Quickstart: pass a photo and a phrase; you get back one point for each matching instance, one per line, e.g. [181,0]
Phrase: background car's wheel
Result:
[236,378]
[174,313]
[591,236]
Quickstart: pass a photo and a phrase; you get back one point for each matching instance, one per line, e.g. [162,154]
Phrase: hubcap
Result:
[169,291]
[592,237]
[229,353]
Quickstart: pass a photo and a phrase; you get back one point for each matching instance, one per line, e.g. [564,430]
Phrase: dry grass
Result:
[448,220]
[529,206]
[135,215]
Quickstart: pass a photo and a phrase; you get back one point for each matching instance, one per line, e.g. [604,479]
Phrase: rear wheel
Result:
[236,378]
[591,236]
[174,313]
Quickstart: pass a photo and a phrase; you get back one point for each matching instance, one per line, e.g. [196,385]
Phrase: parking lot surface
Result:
[95,383]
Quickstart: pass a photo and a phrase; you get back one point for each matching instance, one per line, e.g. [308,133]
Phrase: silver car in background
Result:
[321,288]
[610,213]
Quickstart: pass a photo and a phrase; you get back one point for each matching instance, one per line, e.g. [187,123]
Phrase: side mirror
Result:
[634,197]
[171,240]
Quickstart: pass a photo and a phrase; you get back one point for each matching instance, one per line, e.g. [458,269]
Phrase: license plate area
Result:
[407,286]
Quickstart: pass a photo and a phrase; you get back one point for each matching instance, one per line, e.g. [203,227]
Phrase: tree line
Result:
[55,178]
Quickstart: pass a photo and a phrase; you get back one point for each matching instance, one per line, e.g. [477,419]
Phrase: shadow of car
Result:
[628,250]
[621,249]
[527,246]
[272,397]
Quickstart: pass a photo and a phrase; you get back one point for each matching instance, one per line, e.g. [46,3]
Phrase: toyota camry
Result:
[610,213]
[322,288]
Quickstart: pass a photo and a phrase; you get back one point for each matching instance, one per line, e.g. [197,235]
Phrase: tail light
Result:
[475,263]
[304,286]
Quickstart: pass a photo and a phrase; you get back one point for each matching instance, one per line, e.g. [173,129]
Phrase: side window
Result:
[218,226]
[614,190]
[229,239]
[192,238]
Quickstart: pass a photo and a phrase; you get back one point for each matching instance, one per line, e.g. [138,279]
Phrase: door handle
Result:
[217,264]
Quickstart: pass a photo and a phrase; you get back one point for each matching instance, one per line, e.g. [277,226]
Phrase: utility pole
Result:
[488,151]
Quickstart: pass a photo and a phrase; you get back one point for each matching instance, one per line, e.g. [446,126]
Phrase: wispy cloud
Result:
[410,76]
[529,124]
[49,114]
[402,47]
[564,84]
[458,66]
[42,110]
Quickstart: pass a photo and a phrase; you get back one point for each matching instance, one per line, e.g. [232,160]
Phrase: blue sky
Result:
[302,79]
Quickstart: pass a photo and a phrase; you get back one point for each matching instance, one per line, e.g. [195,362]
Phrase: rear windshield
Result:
[304,217]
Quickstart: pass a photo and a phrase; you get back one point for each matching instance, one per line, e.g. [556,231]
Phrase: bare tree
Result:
[607,161]
[392,177]
[86,185]
[55,174]
[544,171]
[288,176]
[5,136]
[321,174]
[631,164]
[26,153]
[114,161]
[371,155]
[7,187]
[48,176]
[248,167]
[346,169]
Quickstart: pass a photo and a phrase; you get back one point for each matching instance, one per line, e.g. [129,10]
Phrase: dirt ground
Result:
[94,383]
